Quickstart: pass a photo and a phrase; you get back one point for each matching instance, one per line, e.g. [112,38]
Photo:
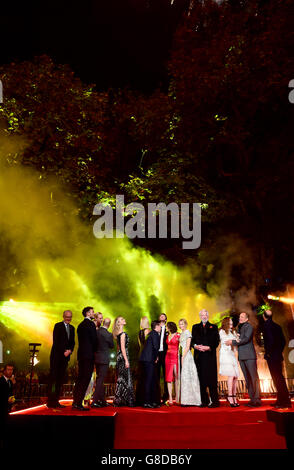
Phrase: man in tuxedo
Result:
[62,348]
[87,336]
[148,358]
[105,343]
[205,340]
[274,343]
[161,355]
[6,399]
[247,358]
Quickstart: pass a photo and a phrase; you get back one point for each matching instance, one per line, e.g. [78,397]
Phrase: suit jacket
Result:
[105,343]
[245,346]
[87,336]
[61,342]
[151,347]
[207,335]
[274,340]
[6,391]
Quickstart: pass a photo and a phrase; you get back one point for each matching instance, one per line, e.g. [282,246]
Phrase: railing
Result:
[267,388]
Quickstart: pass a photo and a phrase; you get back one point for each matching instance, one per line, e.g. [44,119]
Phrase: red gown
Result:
[172,357]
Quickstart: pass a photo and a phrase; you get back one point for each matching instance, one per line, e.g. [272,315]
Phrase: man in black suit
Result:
[62,348]
[247,358]
[205,340]
[6,399]
[161,355]
[148,358]
[274,343]
[105,343]
[87,336]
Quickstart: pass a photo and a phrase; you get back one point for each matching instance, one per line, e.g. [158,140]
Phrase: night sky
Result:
[110,43]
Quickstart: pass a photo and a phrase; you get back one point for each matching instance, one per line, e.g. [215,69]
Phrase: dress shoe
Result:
[51,405]
[79,407]
[213,405]
[235,401]
[147,405]
[203,405]
[252,405]
[96,405]
[232,404]
[283,407]
[155,405]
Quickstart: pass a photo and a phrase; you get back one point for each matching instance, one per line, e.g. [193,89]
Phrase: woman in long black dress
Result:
[124,391]
[142,337]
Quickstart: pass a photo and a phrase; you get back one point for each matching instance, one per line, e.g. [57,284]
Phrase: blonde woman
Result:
[190,387]
[144,331]
[124,391]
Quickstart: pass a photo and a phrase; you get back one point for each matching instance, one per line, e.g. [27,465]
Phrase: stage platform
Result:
[172,427]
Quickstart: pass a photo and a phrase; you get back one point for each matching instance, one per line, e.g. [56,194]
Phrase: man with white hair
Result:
[205,340]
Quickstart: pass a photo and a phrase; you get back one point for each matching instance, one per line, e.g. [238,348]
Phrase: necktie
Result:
[67,330]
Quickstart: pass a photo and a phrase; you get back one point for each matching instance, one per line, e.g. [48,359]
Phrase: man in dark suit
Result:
[274,343]
[87,336]
[247,358]
[161,355]
[148,358]
[105,343]
[6,399]
[205,340]
[62,348]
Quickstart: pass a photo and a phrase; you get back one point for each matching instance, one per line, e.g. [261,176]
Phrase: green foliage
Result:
[220,135]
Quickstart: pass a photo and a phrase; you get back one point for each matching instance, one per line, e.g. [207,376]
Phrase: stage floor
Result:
[179,427]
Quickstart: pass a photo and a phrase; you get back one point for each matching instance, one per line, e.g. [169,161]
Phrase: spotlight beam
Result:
[285,300]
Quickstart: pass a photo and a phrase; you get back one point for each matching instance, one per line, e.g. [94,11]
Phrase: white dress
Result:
[190,387]
[228,364]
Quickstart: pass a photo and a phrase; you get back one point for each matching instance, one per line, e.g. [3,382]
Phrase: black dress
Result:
[124,391]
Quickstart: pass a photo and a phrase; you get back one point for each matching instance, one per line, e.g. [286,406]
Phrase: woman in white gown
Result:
[190,388]
[228,364]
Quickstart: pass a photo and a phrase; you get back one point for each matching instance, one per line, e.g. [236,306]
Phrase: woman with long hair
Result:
[124,391]
[144,332]
[228,365]
[172,362]
[190,386]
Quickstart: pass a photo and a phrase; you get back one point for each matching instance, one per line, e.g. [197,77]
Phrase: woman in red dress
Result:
[172,361]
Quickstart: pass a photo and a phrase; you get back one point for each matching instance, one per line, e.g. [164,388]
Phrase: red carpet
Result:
[194,428]
[184,428]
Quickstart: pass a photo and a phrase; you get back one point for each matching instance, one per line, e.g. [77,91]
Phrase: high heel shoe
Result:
[168,403]
[235,401]
[232,405]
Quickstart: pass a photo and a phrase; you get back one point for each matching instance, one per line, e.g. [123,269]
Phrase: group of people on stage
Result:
[164,351]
